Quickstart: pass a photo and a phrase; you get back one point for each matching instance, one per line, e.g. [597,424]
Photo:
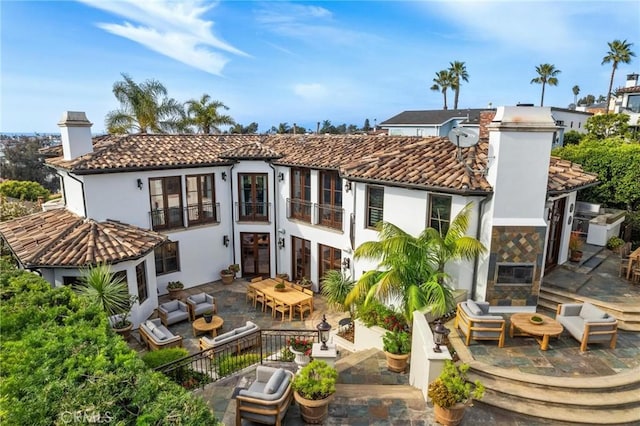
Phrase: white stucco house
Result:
[186,206]
[627,101]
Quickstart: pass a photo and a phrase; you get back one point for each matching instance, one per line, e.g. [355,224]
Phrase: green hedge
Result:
[61,363]
[23,190]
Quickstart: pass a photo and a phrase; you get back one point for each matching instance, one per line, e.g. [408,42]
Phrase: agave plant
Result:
[107,290]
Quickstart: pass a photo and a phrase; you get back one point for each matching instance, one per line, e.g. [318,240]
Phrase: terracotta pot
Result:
[125,332]
[397,363]
[451,416]
[175,293]
[575,256]
[227,278]
[313,411]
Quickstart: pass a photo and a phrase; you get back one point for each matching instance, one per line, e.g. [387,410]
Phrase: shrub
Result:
[452,386]
[155,359]
[228,364]
[60,356]
[23,190]
[316,380]
[375,313]
[397,342]
[615,243]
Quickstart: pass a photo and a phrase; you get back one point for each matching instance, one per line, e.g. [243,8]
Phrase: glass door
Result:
[255,254]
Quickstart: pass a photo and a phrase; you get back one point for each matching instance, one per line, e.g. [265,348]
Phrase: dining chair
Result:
[303,307]
[269,302]
[625,251]
[260,297]
[281,307]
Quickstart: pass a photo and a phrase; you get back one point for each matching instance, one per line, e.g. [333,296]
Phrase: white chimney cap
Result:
[74,119]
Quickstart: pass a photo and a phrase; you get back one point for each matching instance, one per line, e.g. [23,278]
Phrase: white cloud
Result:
[310,91]
[173,29]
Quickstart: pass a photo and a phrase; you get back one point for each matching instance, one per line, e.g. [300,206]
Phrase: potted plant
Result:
[280,286]
[207,315]
[229,274]
[397,348]
[575,247]
[451,393]
[614,244]
[313,389]
[175,289]
[305,282]
[301,348]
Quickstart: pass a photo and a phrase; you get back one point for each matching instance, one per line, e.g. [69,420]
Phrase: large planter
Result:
[301,359]
[175,293]
[397,363]
[227,278]
[125,331]
[451,416]
[313,411]
[575,256]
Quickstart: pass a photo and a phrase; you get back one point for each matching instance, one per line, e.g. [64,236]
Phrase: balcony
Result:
[174,217]
[299,209]
[253,212]
[329,216]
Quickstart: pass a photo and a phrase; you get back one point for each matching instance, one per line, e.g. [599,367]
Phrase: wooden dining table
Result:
[289,297]
[633,257]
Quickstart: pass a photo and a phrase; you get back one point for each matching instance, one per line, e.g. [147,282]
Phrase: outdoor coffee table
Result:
[522,326]
[201,326]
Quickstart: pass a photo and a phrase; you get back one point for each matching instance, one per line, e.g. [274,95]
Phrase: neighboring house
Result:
[627,101]
[440,122]
[300,204]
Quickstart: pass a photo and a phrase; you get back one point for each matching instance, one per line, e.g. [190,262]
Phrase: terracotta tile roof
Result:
[633,89]
[414,161]
[140,152]
[565,176]
[63,239]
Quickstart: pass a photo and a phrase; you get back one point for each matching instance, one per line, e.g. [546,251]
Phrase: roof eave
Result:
[573,189]
[465,192]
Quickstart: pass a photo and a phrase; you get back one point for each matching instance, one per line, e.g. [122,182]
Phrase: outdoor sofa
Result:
[475,322]
[588,324]
[267,399]
[237,339]
[157,336]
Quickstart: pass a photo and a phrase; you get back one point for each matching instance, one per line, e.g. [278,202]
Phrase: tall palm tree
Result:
[459,73]
[619,52]
[576,92]
[144,107]
[546,75]
[442,82]
[203,113]
[411,269]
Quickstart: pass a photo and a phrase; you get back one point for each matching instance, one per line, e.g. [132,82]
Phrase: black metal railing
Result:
[253,211]
[198,214]
[210,365]
[299,209]
[166,218]
[330,216]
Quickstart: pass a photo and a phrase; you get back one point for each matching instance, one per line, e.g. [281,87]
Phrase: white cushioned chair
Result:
[475,322]
[201,303]
[173,312]
[588,324]
[267,399]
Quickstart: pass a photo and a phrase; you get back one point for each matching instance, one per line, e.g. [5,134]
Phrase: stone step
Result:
[403,392]
[354,358]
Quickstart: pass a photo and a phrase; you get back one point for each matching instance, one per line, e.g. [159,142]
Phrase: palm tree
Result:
[335,288]
[203,113]
[144,107]
[619,52]
[442,82]
[459,72]
[576,92]
[411,269]
[546,75]
[105,289]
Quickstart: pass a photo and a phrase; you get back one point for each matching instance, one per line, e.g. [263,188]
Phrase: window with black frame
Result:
[375,205]
[439,213]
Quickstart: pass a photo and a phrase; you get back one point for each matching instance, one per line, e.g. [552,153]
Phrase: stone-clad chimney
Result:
[75,130]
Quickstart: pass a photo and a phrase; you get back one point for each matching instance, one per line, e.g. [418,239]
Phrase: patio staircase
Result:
[602,400]
[628,315]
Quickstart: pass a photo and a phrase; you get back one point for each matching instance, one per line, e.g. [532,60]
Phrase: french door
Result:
[255,254]
[556,213]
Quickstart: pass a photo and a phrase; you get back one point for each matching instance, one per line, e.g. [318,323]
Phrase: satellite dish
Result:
[464,137]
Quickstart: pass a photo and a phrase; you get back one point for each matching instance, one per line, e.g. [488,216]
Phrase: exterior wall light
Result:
[281,243]
[224,176]
[281,176]
[140,184]
[346,263]
[225,240]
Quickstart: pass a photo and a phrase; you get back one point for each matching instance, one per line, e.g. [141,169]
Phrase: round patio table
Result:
[201,326]
[522,326]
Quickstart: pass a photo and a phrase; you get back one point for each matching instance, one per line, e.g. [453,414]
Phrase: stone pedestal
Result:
[329,356]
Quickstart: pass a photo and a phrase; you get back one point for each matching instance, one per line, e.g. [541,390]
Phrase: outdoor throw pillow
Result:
[170,306]
[150,325]
[199,298]
[590,312]
[473,307]
[274,381]
[159,334]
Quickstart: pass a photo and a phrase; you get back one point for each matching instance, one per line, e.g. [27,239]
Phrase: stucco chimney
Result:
[75,130]
[632,80]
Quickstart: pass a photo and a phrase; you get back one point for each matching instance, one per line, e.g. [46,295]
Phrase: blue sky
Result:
[301,62]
